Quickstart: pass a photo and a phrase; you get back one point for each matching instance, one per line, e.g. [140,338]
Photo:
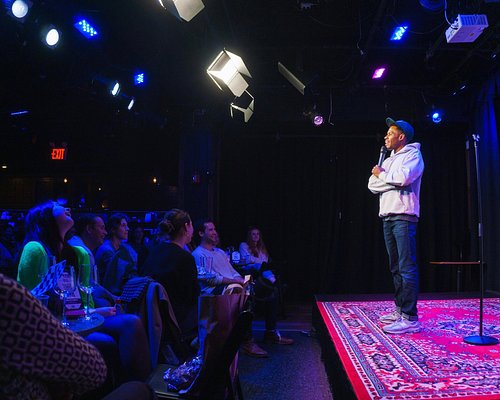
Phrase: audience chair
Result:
[216,383]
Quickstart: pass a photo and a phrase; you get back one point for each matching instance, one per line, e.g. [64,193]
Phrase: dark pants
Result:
[400,241]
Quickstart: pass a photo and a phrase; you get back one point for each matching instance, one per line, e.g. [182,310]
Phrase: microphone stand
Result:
[480,339]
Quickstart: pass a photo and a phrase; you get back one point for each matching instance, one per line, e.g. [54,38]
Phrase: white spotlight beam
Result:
[183,9]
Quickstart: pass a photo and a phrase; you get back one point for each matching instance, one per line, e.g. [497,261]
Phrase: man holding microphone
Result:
[397,182]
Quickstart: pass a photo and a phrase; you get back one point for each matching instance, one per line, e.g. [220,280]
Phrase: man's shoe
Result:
[402,326]
[276,338]
[390,318]
[252,349]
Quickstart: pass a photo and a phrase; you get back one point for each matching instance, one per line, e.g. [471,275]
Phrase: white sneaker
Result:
[403,325]
[390,318]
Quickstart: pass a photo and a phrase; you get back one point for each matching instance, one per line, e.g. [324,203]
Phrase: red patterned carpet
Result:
[433,364]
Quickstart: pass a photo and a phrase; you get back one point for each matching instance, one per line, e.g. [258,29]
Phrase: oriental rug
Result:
[434,363]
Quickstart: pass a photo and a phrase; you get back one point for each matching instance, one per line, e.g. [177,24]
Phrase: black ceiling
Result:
[338,43]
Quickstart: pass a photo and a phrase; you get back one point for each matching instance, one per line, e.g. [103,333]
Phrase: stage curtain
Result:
[307,191]
[486,123]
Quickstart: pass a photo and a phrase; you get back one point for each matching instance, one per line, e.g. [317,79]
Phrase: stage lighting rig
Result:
[183,9]
[227,72]
[245,103]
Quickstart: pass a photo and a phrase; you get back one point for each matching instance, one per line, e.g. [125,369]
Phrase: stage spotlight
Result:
[131,103]
[436,117]
[317,119]
[227,71]
[314,115]
[86,29]
[183,9]
[20,8]
[51,36]
[115,88]
[139,79]
[398,33]
[378,73]
[245,103]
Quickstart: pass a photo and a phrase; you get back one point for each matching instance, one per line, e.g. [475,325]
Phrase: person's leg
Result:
[392,252]
[405,236]
[129,333]
[108,348]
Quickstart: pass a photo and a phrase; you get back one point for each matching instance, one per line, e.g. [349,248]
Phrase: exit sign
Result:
[58,153]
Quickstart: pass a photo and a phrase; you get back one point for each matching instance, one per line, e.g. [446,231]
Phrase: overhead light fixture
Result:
[317,119]
[87,30]
[183,9]
[139,79]
[20,8]
[436,117]
[245,103]
[131,103]
[398,33]
[314,115]
[301,81]
[227,71]
[378,73]
[115,88]
[51,36]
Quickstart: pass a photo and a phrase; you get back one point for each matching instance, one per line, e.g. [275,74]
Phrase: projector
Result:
[466,28]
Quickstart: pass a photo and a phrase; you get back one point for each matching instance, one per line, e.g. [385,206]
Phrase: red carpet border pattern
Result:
[434,363]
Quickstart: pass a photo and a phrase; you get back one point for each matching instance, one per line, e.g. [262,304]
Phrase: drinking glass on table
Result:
[65,286]
[87,282]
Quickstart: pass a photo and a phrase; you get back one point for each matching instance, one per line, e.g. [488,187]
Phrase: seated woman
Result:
[255,253]
[46,227]
[173,267]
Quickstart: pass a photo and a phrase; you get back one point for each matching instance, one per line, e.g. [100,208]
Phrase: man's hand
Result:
[376,170]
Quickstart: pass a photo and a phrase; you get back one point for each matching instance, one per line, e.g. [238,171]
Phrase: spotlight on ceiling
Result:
[436,117]
[183,9]
[227,71]
[139,78]
[86,29]
[378,73]
[317,119]
[20,8]
[314,115]
[398,33]
[245,103]
[131,103]
[51,36]
[115,88]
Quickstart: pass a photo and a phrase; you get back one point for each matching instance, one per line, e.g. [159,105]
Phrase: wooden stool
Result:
[458,264]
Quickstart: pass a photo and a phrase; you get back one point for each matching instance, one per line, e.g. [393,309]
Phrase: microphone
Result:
[383,151]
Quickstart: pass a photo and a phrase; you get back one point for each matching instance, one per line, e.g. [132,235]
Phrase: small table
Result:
[459,264]
[85,327]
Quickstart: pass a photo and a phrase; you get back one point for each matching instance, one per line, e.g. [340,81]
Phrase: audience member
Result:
[90,234]
[137,241]
[9,249]
[35,363]
[174,267]
[255,255]
[226,274]
[116,263]
[46,227]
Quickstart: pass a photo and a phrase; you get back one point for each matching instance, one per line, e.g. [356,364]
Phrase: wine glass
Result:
[65,286]
[87,281]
